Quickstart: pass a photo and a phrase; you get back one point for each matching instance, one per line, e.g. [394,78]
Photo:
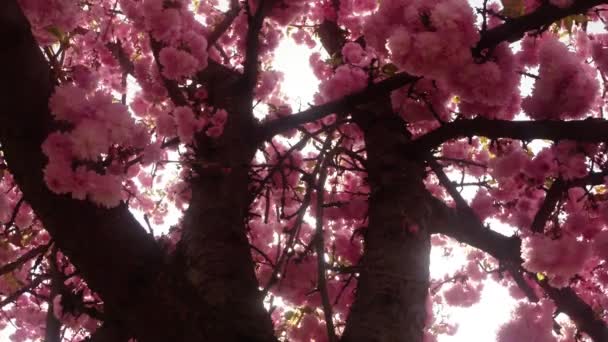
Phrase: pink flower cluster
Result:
[185,46]
[51,18]
[560,259]
[463,294]
[434,39]
[346,80]
[530,322]
[414,102]
[567,87]
[354,54]
[98,124]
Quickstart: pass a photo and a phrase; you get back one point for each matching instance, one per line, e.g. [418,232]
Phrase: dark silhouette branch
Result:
[384,87]
[252,46]
[589,130]
[7,268]
[175,94]
[558,188]
[108,332]
[464,228]
[542,17]
[225,24]
[319,242]
[462,206]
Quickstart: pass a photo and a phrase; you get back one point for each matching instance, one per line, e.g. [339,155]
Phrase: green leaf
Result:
[56,32]
[334,60]
[389,69]
[289,315]
[513,8]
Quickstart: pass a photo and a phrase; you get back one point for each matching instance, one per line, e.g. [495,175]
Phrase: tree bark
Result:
[151,296]
[390,302]
[214,247]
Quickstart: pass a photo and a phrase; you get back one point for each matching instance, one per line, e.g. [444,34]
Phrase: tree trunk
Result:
[390,303]
[148,296]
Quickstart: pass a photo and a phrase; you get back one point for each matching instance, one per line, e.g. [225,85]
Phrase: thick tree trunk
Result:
[214,247]
[53,326]
[390,304]
[147,295]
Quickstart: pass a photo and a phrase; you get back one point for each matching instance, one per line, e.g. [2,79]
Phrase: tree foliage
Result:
[301,224]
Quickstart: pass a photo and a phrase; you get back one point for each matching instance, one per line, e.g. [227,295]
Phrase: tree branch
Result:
[463,228]
[98,241]
[588,130]
[462,206]
[108,332]
[383,87]
[53,325]
[252,47]
[320,244]
[567,301]
[225,24]
[515,28]
[558,188]
[175,94]
[32,253]
[32,285]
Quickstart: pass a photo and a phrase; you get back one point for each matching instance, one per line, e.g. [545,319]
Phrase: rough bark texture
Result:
[53,326]
[214,244]
[390,304]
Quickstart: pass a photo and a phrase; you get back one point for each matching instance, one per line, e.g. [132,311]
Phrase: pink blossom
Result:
[600,244]
[58,146]
[105,190]
[177,64]
[197,44]
[560,259]
[531,322]
[90,139]
[483,204]
[186,123]
[353,53]
[58,177]
[599,51]
[165,24]
[346,80]
[463,294]
[84,77]
[509,164]
[267,83]
[569,93]
[165,124]
[68,103]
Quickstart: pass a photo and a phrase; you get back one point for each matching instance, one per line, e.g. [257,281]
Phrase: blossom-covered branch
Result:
[467,229]
[556,191]
[515,28]
[343,105]
[588,130]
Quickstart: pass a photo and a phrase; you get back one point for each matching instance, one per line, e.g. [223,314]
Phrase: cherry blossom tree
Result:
[301,224]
